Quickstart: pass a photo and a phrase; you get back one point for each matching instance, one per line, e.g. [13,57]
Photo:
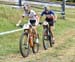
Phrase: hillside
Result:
[63,50]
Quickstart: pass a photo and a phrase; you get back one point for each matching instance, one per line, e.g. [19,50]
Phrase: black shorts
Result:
[50,21]
[33,22]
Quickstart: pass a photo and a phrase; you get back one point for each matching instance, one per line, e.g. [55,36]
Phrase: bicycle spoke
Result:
[24,46]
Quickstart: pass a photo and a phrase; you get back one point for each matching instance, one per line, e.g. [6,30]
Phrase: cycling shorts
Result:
[50,21]
[33,22]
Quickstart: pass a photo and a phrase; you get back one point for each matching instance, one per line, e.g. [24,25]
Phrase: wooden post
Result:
[20,2]
[63,8]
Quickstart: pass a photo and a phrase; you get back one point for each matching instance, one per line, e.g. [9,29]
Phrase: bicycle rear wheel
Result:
[24,45]
[50,40]
[35,48]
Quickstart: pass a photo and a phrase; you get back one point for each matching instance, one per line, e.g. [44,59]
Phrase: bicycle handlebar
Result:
[21,26]
[40,23]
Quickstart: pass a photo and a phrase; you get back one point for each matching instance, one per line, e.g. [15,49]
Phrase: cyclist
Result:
[33,18]
[50,18]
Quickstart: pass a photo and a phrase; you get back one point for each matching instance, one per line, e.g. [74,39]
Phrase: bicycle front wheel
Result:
[24,45]
[45,38]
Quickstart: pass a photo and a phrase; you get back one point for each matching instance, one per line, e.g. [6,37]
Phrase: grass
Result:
[61,53]
[65,36]
[8,19]
[7,2]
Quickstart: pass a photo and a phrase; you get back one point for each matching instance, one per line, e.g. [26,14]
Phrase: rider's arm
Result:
[54,15]
[20,20]
[42,15]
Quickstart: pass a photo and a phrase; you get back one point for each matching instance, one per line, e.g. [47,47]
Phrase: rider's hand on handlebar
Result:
[18,24]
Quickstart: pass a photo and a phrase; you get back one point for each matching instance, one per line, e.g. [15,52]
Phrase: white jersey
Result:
[32,15]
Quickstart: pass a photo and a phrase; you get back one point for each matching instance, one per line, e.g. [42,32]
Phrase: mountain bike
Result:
[28,40]
[47,37]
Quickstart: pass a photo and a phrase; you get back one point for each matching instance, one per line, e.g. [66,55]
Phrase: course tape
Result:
[8,32]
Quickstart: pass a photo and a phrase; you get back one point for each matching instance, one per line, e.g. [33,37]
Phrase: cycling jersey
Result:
[32,17]
[50,21]
[49,13]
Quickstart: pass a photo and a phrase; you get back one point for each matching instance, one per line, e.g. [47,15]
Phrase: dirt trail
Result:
[41,54]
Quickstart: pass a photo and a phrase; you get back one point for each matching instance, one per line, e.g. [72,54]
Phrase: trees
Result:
[52,0]
[71,0]
[68,0]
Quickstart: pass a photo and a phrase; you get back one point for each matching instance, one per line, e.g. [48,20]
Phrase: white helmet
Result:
[26,6]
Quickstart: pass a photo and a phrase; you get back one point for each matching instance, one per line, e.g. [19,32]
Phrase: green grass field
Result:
[63,50]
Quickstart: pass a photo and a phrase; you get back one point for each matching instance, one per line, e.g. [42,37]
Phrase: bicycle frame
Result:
[47,33]
[47,27]
[28,40]
[31,34]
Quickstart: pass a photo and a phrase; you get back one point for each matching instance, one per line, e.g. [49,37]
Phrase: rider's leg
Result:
[52,32]
[35,29]
[52,28]
[34,24]
[51,24]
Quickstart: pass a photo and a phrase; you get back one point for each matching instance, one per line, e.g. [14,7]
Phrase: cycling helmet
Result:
[46,8]
[26,6]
